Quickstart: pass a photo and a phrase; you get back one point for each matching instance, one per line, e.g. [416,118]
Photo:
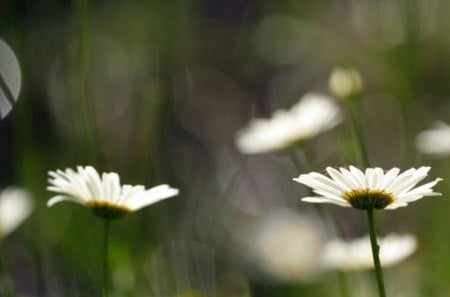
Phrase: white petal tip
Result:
[61,198]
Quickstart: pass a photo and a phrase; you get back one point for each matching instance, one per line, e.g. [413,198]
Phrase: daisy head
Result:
[436,141]
[374,188]
[357,254]
[312,115]
[103,194]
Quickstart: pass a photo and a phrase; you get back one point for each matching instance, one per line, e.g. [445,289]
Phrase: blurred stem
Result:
[355,115]
[5,284]
[105,252]
[343,284]
[355,118]
[375,252]
[83,78]
[300,160]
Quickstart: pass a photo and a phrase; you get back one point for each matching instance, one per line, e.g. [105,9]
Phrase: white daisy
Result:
[436,141]
[357,254]
[15,206]
[372,189]
[312,115]
[103,194]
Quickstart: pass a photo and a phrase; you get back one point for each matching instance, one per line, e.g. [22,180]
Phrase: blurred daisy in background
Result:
[16,205]
[345,83]
[312,115]
[105,195]
[286,246]
[435,141]
[357,254]
[373,188]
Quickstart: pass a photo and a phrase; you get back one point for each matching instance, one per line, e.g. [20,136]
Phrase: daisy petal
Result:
[323,200]
[57,199]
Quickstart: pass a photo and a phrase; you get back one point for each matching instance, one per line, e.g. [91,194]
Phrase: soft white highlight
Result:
[401,186]
[287,246]
[357,254]
[435,141]
[15,206]
[312,115]
[345,82]
[85,186]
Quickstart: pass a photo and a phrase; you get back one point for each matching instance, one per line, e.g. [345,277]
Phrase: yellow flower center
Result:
[368,198]
[107,210]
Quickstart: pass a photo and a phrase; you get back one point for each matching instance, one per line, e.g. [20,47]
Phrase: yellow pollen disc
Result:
[107,210]
[368,198]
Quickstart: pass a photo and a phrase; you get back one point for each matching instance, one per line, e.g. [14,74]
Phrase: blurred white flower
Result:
[312,115]
[436,141]
[345,82]
[15,206]
[357,254]
[372,189]
[287,246]
[103,194]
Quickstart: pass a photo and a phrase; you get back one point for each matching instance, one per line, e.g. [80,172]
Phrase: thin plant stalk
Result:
[82,86]
[354,110]
[105,252]
[344,285]
[375,252]
[300,159]
[6,289]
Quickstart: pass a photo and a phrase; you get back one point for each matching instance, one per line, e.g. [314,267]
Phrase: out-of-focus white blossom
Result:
[287,246]
[312,115]
[357,254]
[345,83]
[15,206]
[435,141]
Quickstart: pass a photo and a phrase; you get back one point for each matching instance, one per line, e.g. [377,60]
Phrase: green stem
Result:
[6,289]
[354,110]
[301,160]
[105,251]
[83,88]
[375,252]
[343,284]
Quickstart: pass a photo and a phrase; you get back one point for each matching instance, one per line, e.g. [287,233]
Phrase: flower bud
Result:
[345,83]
